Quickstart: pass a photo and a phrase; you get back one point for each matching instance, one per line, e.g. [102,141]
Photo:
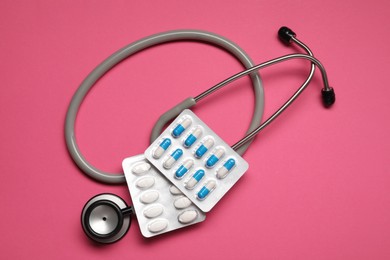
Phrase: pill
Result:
[141,168]
[149,197]
[153,211]
[198,175]
[145,182]
[225,169]
[214,158]
[206,189]
[182,203]
[191,139]
[183,169]
[180,128]
[173,158]
[174,190]
[161,148]
[158,225]
[204,147]
[187,216]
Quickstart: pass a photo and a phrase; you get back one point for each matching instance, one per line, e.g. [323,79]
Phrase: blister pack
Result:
[196,160]
[160,207]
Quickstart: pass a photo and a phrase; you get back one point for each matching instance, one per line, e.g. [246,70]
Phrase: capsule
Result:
[198,175]
[173,158]
[161,148]
[191,139]
[214,158]
[226,168]
[206,189]
[180,128]
[204,147]
[183,169]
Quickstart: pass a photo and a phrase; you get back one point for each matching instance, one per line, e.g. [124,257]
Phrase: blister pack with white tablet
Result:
[196,160]
[160,207]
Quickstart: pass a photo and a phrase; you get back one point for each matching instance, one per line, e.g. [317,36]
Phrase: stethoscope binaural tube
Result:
[327,92]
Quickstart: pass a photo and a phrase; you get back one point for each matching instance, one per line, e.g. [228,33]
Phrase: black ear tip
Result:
[285,34]
[328,97]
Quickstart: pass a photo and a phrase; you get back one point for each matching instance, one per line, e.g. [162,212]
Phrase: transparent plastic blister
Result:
[196,160]
[160,207]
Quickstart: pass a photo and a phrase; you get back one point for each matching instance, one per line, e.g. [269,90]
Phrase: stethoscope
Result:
[106,217]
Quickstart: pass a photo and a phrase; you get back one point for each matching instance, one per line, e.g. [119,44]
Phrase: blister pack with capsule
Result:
[196,160]
[160,207]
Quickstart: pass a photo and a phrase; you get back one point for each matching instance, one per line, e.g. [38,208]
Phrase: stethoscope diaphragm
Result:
[106,218]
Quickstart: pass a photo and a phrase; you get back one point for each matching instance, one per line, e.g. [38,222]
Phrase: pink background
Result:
[318,186]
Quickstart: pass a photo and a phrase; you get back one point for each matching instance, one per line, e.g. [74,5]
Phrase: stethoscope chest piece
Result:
[106,218]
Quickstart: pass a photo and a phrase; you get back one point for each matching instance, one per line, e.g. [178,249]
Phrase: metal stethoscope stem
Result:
[327,89]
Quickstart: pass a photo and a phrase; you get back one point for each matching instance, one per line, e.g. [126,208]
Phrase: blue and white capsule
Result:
[206,189]
[170,161]
[226,168]
[191,139]
[184,168]
[198,175]
[214,158]
[203,148]
[161,148]
[180,128]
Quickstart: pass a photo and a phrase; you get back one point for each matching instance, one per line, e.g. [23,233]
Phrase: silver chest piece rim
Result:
[103,220]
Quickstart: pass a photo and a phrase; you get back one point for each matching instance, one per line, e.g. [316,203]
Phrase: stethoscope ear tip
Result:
[105,218]
[328,97]
[286,34]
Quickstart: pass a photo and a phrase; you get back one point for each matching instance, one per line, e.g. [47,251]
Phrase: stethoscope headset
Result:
[106,217]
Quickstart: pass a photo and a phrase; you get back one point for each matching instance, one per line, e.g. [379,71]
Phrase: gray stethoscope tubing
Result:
[127,51]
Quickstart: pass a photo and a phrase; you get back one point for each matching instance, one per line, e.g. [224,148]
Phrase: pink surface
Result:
[318,186]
